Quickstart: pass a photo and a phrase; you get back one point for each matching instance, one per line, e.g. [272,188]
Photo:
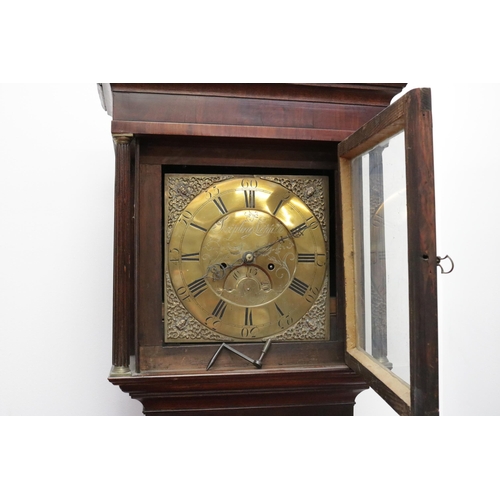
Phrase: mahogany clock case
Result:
[298,378]
[230,129]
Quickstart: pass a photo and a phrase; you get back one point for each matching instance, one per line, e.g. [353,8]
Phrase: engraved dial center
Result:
[259,253]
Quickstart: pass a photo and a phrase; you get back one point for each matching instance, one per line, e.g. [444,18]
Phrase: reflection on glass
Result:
[381,254]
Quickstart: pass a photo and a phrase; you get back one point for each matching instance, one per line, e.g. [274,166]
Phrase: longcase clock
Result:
[274,248]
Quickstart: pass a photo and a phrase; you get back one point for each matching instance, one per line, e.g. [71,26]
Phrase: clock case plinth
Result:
[321,391]
[240,128]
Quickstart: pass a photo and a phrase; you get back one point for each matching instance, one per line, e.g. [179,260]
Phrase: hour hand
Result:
[297,232]
[265,248]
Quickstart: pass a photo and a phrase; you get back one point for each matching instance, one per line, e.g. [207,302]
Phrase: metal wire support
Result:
[256,362]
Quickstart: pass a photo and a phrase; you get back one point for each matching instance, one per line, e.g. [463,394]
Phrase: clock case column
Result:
[249,127]
[123,285]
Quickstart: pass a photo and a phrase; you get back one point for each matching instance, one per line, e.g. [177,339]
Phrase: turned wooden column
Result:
[123,261]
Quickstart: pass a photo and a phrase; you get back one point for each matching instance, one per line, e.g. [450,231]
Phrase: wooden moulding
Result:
[194,358]
[238,152]
[328,391]
[328,112]
[348,252]
[148,249]
[365,94]
[422,259]
[384,125]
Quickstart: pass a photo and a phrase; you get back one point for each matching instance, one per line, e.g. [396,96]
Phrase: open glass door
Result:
[389,254]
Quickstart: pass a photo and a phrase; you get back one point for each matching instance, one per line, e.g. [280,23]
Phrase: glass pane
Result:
[381,254]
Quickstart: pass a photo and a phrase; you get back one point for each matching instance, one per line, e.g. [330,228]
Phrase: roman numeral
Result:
[298,287]
[306,257]
[280,312]
[191,257]
[220,205]
[299,229]
[280,204]
[198,227]
[248,317]
[284,321]
[220,309]
[197,287]
[249,199]
[310,222]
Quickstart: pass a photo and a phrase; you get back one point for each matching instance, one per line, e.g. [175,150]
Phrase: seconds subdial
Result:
[248,286]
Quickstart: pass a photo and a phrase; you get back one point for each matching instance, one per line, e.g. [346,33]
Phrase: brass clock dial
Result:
[246,257]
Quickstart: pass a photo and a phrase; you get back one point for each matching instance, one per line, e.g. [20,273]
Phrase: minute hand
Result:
[219,271]
[295,233]
[265,248]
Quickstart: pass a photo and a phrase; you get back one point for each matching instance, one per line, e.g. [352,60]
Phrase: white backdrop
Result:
[56,227]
